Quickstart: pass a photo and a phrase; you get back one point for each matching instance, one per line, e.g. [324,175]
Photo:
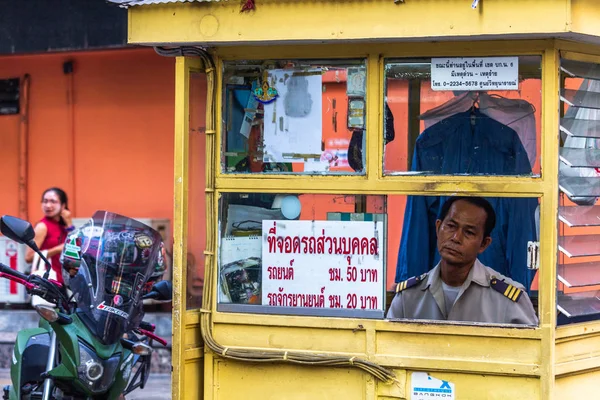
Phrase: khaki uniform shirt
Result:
[477,301]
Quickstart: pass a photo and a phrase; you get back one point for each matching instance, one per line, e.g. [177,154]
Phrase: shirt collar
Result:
[477,274]
[480,275]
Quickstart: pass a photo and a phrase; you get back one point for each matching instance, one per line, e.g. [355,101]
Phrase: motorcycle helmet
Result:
[159,269]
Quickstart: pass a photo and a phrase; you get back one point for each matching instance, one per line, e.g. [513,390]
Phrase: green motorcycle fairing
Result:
[23,338]
[68,338]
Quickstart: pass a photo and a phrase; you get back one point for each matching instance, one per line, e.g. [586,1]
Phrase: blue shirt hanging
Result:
[456,146]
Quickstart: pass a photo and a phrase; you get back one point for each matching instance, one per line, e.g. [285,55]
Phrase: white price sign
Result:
[323,264]
[478,73]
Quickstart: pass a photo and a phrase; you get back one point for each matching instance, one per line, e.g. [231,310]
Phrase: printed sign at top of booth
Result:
[475,73]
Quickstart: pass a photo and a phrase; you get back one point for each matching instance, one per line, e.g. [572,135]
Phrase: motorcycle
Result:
[91,341]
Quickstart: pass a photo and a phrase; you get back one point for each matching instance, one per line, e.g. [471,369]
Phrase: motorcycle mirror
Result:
[21,231]
[162,291]
[17,229]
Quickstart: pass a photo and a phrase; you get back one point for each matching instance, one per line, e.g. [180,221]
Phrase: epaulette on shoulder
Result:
[508,290]
[410,282]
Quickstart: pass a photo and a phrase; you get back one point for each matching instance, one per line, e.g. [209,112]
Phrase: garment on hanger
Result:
[454,146]
[516,113]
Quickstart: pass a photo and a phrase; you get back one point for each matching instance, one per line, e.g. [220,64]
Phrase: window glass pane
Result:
[579,182]
[292,116]
[280,253]
[438,241]
[303,254]
[475,116]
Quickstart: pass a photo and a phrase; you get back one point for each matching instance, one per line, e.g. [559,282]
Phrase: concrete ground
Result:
[158,387]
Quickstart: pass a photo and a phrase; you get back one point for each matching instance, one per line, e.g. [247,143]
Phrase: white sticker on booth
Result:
[475,73]
[323,264]
[425,387]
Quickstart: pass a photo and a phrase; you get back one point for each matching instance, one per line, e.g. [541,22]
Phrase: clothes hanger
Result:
[532,108]
[473,116]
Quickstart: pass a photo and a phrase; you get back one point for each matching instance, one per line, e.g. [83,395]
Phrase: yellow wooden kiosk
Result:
[320,121]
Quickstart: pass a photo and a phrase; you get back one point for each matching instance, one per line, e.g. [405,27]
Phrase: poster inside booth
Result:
[328,265]
[322,268]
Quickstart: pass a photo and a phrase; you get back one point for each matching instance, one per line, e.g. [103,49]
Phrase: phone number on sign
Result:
[459,83]
[483,84]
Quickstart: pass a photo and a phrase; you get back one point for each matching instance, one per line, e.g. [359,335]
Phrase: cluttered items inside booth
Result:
[294,117]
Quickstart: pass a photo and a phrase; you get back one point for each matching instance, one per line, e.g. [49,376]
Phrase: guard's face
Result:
[460,234]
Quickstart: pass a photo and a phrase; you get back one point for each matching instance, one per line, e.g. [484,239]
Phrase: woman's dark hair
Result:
[62,196]
[490,221]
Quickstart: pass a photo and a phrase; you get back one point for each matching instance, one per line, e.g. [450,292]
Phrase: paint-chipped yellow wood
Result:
[374,143]
[183,66]
[549,219]
[221,23]
[579,386]
[492,186]
[387,50]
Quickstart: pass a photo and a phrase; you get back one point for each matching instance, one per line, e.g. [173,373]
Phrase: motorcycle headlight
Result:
[97,374]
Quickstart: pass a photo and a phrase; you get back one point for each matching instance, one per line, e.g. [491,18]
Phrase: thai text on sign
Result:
[475,73]
[323,264]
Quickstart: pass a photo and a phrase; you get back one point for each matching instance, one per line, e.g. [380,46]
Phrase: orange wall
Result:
[122,123]
[9,176]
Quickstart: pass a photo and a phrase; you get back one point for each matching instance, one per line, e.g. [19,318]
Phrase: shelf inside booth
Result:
[580,69]
[581,98]
[579,304]
[585,128]
[580,274]
[580,245]
[580,158]
[575,216]
[575,186]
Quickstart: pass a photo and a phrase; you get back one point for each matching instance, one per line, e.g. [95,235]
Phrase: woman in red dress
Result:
[51,231]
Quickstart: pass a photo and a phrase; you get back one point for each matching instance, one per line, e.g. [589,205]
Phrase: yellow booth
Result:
[316,143]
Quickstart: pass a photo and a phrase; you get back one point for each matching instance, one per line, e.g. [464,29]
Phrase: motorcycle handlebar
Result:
[147,326]
[9,271]
[152,336]
[23,279]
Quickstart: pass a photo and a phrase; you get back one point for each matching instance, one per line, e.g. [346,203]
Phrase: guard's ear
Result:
[485,243]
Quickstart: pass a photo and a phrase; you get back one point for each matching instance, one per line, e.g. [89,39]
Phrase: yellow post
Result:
[182,80]
[548,218]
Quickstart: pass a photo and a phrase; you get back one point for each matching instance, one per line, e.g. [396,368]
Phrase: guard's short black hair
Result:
[480,202]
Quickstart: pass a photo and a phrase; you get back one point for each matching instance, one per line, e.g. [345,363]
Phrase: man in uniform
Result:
[460,287]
